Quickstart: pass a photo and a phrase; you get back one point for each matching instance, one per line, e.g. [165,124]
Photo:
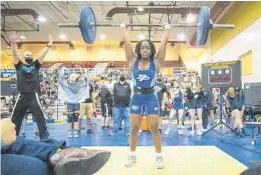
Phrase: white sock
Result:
[132,153]
[23,125]
[107,121]
[35,127]
[103,121]
[158,155]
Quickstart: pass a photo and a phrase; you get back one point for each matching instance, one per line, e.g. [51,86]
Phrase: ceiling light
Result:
[142,36]
[41,19]
[190,18]
[140,8]
[22,37]
[62,36]
[102,36]
[181,36]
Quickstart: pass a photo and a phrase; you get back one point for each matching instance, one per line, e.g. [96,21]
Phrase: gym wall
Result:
[190,55]
[107,51]
[242,15]
[242,42]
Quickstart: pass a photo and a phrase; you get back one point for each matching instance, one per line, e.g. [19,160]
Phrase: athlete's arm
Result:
[127,44]
[160,55]
[45,50]
[14,37]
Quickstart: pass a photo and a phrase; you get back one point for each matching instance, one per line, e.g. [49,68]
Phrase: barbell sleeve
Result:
[223,26]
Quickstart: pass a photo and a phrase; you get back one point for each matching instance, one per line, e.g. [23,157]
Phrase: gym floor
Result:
[202,154]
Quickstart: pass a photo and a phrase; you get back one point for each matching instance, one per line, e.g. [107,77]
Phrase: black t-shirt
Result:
[122,93]
[89,100]
[160,89]
[105,95]
[28,79]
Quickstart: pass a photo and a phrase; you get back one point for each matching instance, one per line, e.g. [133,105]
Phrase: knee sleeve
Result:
[75,117]
[70,118]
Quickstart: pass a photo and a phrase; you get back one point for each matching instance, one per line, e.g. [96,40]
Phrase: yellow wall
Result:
[246,63]
[97,52]
[190,56]
[6,60]
[242,14]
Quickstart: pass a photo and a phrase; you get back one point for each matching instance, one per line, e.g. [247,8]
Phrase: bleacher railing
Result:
[8,74]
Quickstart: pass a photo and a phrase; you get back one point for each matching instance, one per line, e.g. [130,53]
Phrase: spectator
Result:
[121,110]
[29,157]
[106,105]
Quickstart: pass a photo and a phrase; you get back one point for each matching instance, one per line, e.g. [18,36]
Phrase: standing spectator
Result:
[73,91]
[208,107]
[161,90]
[121,110]
[86,110]
[106,105]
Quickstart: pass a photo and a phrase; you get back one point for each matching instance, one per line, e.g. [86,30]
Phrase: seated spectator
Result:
[29,157]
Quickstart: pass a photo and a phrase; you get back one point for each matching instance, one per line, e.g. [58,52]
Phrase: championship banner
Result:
[7,74]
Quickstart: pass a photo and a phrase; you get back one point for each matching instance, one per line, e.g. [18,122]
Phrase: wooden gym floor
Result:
[185,155]
[178,160]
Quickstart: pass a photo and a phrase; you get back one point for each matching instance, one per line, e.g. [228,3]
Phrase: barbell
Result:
[88,25]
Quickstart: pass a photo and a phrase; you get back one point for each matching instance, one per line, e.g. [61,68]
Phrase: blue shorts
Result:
[73,112]
[144,103]
[73,108]
[178,106]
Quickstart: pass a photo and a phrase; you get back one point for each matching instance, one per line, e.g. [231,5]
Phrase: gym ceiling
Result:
[22,16]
